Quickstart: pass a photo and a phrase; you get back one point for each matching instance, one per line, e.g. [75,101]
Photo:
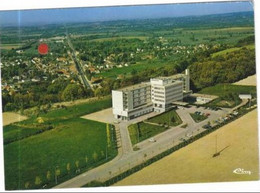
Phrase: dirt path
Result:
[76,102]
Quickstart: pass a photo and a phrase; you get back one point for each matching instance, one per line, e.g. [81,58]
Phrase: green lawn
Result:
[140,66]
[33,154]
[223,52]
[15,132]
[198,118]
[223,89]
[228,94]
[79,110]
[169,118]
[219,102]
[144,130]
[71,140]
[31,126]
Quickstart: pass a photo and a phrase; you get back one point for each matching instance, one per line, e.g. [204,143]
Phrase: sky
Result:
[70,15]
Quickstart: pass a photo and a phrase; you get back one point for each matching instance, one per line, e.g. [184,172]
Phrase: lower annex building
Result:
[156,95]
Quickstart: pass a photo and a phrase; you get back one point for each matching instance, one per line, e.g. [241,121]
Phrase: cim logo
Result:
[241,171]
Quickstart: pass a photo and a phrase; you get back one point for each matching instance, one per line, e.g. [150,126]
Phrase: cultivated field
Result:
[249,81]
[9,46]
[10,117]
[195,163]
[223,52]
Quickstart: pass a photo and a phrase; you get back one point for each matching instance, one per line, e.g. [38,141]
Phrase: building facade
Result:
[156,95]
[164,92]
[132,101]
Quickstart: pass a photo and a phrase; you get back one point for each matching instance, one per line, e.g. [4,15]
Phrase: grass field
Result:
[198,118]
[73,111]
[169,118]
[70,140]
[32,126]
[219,35]
[121,37]
[223,52]
[140,66]
[15,132]
[194,163]
[9,46]
[223,89]
[141,131]
[225,103]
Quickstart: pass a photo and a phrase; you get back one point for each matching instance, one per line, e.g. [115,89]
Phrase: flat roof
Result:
[203,95]
[143,84]
[177,76]
[181,103]
[135,86]
[164,81]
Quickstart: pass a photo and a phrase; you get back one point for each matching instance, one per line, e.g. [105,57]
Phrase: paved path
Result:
[244,101]
[127,158]
[105,116]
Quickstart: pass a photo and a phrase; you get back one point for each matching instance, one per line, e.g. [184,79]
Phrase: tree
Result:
[98,92]
[86,159]
[102,154]
[57,174]
[68,167]
[72,92]
[77,166]
[95,156]
[27,185]
[48,175]
[108,136]
[38,180]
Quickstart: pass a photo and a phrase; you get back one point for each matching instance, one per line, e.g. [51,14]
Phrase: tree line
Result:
[225,68]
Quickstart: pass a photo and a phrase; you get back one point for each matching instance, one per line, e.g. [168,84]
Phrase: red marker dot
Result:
[43,49]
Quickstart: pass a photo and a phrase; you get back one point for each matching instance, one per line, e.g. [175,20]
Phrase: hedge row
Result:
[163,154]
[47,128]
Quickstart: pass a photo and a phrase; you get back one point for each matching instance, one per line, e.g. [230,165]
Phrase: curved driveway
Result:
[127,158]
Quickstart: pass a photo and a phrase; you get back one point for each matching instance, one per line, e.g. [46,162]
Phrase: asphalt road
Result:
[79,67]
[127,158]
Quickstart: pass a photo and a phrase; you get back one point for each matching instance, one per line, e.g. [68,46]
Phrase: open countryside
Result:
[92,112]
[195,163]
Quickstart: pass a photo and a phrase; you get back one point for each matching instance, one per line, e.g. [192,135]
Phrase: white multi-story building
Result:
[164,92]
[156,95]
[132,101]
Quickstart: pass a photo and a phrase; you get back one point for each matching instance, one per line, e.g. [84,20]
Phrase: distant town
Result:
[110,98]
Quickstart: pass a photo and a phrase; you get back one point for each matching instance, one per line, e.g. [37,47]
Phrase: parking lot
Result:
[192,128]
[213,116]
